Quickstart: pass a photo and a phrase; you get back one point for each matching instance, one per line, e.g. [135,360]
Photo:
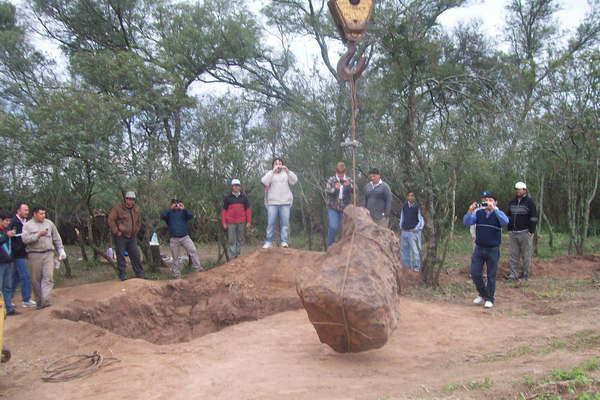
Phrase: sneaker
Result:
[267,245]
[284,245]
[478,300]
[512,278]
[43,305]
[29,304]
[488,304]
[13,312]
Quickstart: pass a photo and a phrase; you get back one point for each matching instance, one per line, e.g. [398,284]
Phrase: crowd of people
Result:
[31,248]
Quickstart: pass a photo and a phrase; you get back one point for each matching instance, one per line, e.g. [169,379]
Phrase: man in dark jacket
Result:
[22,275]
[378,198]
[125,221]
[7,268]
[236,216]
[177,218]
[488,221]
[522,221]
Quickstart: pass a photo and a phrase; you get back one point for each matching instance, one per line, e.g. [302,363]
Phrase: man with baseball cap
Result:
[523,217]
[488,220]
[125,221]
[236,216]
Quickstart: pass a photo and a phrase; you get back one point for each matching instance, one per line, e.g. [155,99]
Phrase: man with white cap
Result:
[125,221]
[236,216]
[523,217]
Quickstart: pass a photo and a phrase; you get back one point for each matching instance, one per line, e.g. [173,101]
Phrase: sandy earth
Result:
[228,336]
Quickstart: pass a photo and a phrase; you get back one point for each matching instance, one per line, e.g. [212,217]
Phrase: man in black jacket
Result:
[22,275]
[523,217]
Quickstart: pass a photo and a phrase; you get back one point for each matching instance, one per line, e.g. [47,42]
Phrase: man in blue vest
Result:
[411,224]
[488,220]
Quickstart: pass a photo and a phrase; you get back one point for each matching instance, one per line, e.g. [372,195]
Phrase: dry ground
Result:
[237,332]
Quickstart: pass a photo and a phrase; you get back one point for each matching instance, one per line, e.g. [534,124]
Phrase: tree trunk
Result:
[155,258]
[68,273]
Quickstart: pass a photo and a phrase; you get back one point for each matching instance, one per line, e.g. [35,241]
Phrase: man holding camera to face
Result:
[488,220]
[177,217]
[339,195]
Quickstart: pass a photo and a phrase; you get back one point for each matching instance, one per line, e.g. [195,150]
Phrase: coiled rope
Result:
[76,366]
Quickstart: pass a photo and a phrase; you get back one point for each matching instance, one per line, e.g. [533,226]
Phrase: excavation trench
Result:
[177,311]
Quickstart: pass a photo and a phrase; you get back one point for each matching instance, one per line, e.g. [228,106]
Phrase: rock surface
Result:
[352,297]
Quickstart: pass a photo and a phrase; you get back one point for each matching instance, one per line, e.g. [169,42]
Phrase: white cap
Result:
[520,185]
[130,195]
[236,182]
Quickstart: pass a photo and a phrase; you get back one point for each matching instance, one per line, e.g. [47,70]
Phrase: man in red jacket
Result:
[236,215]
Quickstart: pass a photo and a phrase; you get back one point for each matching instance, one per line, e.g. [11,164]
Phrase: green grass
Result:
[581,340]
[578,383]
[484,384]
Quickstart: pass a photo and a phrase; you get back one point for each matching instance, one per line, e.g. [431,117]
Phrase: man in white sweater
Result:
[278,200]
[42,239]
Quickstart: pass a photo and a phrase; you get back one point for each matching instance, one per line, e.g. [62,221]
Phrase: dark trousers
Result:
[123,244]
[488,256]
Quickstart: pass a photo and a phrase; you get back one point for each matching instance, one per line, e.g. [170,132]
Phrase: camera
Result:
[484,204]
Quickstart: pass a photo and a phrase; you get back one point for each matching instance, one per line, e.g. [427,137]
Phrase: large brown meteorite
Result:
[352,298]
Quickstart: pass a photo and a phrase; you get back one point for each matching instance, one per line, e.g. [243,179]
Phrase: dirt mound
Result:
[248,288]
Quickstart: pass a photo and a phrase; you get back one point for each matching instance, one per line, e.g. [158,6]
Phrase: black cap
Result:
[486,193]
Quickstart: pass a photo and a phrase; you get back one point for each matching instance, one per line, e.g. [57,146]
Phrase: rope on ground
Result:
[76,366]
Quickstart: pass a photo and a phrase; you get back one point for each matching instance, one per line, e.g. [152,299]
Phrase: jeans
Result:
[411,250]
[23,276]
[7,277]
[490,257]
[335,218]
[283,211]
[123,244]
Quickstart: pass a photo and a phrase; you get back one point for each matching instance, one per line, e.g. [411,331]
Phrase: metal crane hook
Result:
[345,70]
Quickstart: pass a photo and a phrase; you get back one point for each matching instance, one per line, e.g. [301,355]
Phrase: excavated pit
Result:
[246,289]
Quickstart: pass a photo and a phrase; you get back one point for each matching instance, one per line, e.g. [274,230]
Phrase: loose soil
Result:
[237,332]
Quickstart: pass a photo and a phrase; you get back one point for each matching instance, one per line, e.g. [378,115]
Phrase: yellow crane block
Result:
[5,353]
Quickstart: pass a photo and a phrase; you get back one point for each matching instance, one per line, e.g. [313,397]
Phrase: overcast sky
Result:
[490,13]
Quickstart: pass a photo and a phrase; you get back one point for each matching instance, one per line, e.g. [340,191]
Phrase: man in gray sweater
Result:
[378,198]
[42,239]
